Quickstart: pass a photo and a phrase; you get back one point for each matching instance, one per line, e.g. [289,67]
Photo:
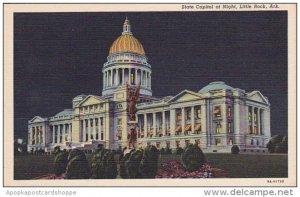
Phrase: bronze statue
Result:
[133,96]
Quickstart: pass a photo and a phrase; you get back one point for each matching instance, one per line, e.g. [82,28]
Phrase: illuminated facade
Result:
[216,117]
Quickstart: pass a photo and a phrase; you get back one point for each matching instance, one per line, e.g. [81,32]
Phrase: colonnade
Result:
[121,76]
[92,129]
[61,133]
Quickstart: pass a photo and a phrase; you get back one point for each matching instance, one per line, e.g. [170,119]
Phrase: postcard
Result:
[150,95]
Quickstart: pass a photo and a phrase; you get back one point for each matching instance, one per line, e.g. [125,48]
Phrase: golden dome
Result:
[126,42]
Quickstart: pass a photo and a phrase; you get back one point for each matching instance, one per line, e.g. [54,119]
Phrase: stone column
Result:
[193,119]
[104,80]
[146,82]
[154,123]
[99,134]
[58,133]
[63,133]
[163,123]
[172,122]
[35,135]
[136,77]
[111,77]
[258,121]
[149,80]
[145,125]
[107,78]
[252,119]
[123,76]
[117,77]
[53,134]
[142,77]
[84,130]
[262,122]
[182,119]
[104,130]
[94,128]
[203,119]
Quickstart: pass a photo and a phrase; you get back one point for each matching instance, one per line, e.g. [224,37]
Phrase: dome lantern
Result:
[126,27]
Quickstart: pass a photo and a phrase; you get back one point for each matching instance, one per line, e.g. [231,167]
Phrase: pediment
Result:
[37,119]
[185,95]
[91,100]
[258,97]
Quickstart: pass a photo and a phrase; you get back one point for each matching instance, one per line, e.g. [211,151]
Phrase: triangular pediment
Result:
[91,100]
[185,95]
[37,119]
[258,97]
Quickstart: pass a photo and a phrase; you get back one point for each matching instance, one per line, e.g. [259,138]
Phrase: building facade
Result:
[216,117]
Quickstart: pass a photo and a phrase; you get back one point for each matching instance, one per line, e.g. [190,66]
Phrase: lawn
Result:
[236,166]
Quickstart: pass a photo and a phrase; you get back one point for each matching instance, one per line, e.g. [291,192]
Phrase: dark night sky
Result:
[60,55]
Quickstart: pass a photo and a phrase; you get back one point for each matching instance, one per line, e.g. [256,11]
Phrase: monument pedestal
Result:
[132,134]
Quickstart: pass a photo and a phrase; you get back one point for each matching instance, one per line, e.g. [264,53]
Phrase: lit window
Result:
[255,130]
[217,111]
[218,142]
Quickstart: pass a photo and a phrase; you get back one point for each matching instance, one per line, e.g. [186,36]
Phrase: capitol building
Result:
[216,117]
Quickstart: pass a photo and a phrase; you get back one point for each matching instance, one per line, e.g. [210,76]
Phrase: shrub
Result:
[162,151]
[148,165]
[278,144]
[235,149]
[60,163]
[76,152]
[56,150]
[133,163]
[192,158]
[139,163]
[78,167]
[122,161]
[103,165]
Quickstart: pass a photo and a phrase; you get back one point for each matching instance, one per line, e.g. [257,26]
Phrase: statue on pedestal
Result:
[132,98]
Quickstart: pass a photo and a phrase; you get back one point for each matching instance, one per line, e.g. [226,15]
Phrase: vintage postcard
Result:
[150,95]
